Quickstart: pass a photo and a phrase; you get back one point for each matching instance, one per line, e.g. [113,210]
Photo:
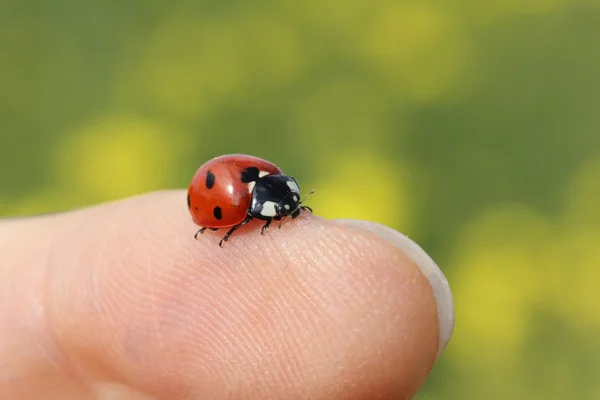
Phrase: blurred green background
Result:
[472,127]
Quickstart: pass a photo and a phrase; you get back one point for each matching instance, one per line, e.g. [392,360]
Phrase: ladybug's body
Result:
[229,191]
[221,190]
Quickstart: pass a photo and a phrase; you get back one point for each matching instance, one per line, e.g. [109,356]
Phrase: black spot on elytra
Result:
[188,200]
[250,174]
[217,212]
[210,179]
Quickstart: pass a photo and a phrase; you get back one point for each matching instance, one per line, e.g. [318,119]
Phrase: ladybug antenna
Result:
[307,194]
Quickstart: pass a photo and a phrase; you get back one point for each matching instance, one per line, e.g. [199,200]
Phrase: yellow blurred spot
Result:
[419,48]
[577,256]
[500,280]
[362,186]
[116,157]
[512,263]
[574,278]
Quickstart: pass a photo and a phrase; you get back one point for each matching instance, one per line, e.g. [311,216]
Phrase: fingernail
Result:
[437,280]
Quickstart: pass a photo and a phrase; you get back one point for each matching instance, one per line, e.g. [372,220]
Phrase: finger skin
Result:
[129,302]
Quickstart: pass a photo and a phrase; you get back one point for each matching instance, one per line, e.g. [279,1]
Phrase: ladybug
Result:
[231,190]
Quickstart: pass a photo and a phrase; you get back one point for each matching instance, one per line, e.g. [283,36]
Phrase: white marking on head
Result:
[262,173]
[295,198]
[293,186]
[287,206]
[251,186]
[268,209]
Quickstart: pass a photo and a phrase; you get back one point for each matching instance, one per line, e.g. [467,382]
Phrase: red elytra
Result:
[221,189]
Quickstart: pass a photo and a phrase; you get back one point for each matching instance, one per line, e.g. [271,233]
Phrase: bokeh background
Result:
[473,127]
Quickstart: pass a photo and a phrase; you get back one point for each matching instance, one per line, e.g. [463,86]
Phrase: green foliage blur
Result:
[473,127]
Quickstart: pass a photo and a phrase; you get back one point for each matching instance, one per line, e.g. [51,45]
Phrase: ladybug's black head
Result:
[275,196]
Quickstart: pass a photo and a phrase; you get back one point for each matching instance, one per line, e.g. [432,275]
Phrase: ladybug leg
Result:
[201,231]
[281,222]
[226,237]
[265,227]
[307,208]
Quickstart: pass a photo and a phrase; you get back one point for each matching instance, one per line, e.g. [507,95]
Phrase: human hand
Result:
[119,301]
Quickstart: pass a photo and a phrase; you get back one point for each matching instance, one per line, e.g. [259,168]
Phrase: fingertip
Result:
[439,284]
